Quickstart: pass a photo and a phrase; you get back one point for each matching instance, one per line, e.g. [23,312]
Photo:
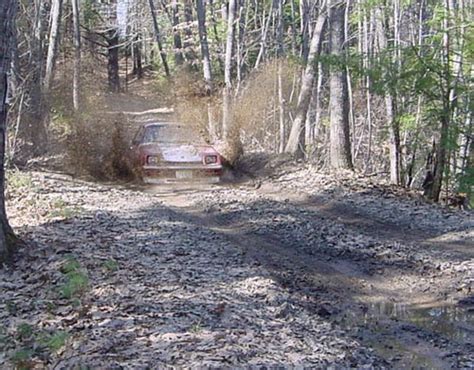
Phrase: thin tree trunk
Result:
[465,141]
[36,129]
[206,59]
[364,45]
[206,63]
[216,36]
[293,27]
[158,38]
[304,29]
[7,15]
[77,55]
[263,41]
[390,104]
[317,118]
[445,118]
[310,122]
[295,144]
[14,142]
[56,12]
[281,110]
[281,100]
[228,69]
[349,80]
[241,43]
[113,61]
[340,146]
[188,43]
[178,44]
[137,57]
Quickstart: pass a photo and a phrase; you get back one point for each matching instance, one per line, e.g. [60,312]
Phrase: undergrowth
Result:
[76,280]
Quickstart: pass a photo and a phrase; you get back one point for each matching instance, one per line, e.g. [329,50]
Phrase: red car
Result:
[164,151]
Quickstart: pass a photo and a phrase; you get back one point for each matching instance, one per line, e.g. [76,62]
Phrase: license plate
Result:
[183,174]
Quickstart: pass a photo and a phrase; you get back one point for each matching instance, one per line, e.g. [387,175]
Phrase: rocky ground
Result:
[294,269]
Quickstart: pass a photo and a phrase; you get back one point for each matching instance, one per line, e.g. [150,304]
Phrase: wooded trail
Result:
[241,273]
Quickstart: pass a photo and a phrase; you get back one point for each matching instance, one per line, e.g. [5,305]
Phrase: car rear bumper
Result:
[190,167]
[160,174]
[167,180]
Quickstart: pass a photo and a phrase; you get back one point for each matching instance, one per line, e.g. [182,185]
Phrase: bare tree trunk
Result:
[77,55]
[241,42]
[206,63]
[465,131]
[317,97]
[340,146]
[263,41]
[349,79]
[293,27]
[178,44]
[281,100]
[54,36]
[216,36]
[7,15]
[206,59]
[295,144]
[158,38]
[14,81]
[188,43]
[447,109]
[228,69]
[113,60]
[281,111]
[394,140]
[465,141]
[137,56]
[368,95]
[390,105]
[304,28]
[36,129]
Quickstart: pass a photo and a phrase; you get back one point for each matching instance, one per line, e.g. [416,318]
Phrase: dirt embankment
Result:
[298,269]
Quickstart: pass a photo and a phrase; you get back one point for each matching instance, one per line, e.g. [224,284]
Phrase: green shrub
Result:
[54,342]
[16,180]
[24,331]
[76,280]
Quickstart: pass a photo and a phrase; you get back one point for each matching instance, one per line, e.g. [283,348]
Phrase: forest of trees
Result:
[381,86]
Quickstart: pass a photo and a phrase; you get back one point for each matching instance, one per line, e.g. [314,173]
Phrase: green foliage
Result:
[18,180]
[76,280]
[407,122]
[466,183]
[12,307]
[197,327]
[62,210]
[90,14]
[70,265]
[37,343]
[21,358]
[4,339]
[75,285]
[24,331]
[54,342]
[50,306]
[61,121]
[111,265]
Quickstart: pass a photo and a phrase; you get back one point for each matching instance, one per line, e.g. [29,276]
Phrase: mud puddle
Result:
[427,336]
[450,321]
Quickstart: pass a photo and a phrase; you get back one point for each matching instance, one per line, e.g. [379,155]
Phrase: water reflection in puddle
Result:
[451,321]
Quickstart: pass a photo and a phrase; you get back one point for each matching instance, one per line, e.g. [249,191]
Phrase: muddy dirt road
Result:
[299,269]
[395,286]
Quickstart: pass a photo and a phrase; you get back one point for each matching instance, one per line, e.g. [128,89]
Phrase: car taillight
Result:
[210,159]
[153,160]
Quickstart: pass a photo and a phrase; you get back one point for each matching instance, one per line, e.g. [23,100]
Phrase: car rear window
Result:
[171,134]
